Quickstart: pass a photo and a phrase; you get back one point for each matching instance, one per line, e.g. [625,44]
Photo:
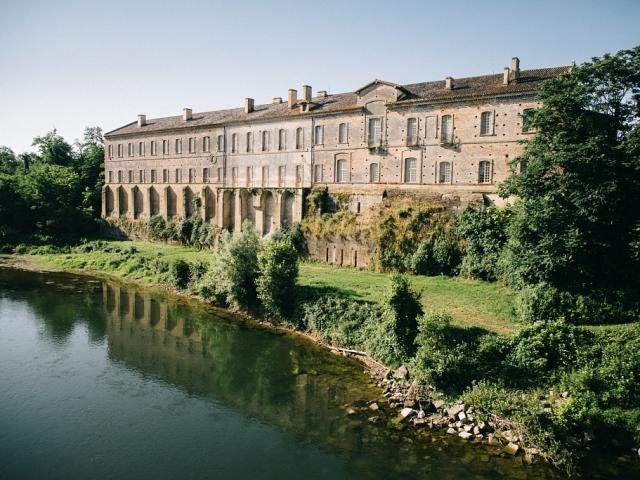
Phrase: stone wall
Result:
[340,251]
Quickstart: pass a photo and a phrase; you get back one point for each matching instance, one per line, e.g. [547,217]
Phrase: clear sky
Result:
[74,63]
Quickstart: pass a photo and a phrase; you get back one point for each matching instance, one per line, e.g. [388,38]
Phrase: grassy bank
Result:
[471,303]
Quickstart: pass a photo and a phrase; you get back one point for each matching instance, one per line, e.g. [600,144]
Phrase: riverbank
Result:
[509,418]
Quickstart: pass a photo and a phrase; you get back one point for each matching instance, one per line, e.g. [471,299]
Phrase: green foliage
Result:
[576,219]
[157,227]
[435,256]
[294,235]
[484,235]
[179,274]
[403,307]
[277,274]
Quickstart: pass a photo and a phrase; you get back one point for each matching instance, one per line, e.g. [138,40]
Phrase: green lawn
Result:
[470,302]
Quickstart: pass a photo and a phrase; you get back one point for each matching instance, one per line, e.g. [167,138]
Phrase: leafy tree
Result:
[54,149]
[576,224]
[277,274]
[8,160]
[403,307]
[89,163]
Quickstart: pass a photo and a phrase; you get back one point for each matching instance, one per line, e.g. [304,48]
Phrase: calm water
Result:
[101,381]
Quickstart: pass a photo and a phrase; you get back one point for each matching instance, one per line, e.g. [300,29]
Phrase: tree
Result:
[54,149]
[403,307]
[277,274]
[576,223]
[8,160]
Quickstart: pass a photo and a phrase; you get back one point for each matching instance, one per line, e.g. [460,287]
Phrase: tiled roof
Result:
[464,88]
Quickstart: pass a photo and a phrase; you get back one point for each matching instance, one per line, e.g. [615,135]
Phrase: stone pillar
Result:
[219,207]
[183,203]
[164,203]
[103,210]
[132,203]
[149,201]
[237,211]
[116,203]
[259,213]
[298,205]
[277,213]
[204,205]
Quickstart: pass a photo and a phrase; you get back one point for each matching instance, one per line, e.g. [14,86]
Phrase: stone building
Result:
[452,138]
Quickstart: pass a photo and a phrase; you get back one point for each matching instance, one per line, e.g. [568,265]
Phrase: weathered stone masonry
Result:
[453,138]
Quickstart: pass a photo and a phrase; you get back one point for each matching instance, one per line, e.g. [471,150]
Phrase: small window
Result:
[178,149]
[206,144]
[141,176]
[444,172]
[527,120]
[343,136]
[412,131]
[299,138]
[119,176]
[234,143]
[249,176]
[130,149]
[165,147]
[446,129]
[249,142]
[342,176]
[318,135]
[129,176]
[282,139]
[265,141]
[206,173]
[153,148]
[120,150]
[485,123]
[282,175]
[234,176]
[317,173]
[374,173]
[221,143]
[192,175]
[484,172]
[375,125]
[265,176]
[410,170]
[178,175]
[110,151]
[165,175]
[154,176]
[110,176]
[141,149]
[192,145]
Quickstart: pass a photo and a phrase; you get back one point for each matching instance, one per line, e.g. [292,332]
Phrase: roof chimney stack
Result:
[142,120]
[505,76]
[322,93]
[448,83]
[277,100]
[515,68]
[187,114]
[293,97]
[306,93]
[248,105]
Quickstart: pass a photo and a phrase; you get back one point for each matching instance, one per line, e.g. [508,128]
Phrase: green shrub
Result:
[179,274]
[403,307]
[277,274]
[436,256]
[294,235]
[157,227]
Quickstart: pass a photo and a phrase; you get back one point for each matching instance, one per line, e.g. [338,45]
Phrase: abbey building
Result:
[453,138]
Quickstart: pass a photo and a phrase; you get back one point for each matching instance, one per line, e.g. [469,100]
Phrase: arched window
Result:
[343,133]
[374,173]
[265,140]
[446,129]
[410,170]
[341,171]
[234,143]
[299,138]
[444,172]
[282,139]
[412,131]
[484,172]
[485,123]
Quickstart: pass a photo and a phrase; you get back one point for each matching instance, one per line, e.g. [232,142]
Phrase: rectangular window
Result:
[119,176]
[484,172]
[410,170]
[485,123]
[165,176]
[178,148]
[165,147]
[141,149]
[318,134]
[265,176]
[130,149]
[154,176]
[375,126]
[153,148]
[221,143]
[412,131]
[444,174]
[298,175]
[317,173]
[141,176]
[206,173]
[299,138]
[265,141]
[374,173]
[446,129]
[120,150]
[249,176]
[282,139]
[129,176]
[110,176]
[192,175]
[343,136]
[249,142]
[178,175]
[234,143]
[281,175]
[234,176]
[110,151]
[206,144]
[342,175]
[192,145]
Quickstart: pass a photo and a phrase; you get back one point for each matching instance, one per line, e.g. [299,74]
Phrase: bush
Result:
[294,235]
[179,274]
[277,274]
[157,227]
[402,306]
[436,256]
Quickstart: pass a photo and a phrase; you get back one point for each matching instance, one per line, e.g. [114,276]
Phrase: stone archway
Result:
[154,202]
[268,208]
[123,202]
[138,203]
[287,208]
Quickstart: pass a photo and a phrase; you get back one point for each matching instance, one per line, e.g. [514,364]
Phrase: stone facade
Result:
[453,138]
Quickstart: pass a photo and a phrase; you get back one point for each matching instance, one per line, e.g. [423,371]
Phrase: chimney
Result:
[505,76]
[293,97]
[142,120]
[248,105]
[187,114]
[322,93]
[515,68]
[306,93]
[277,100]
[448,83]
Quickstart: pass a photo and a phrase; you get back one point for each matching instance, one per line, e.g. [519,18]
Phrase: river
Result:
[104,381]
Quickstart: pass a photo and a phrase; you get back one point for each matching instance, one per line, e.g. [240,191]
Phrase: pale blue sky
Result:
[69,64]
